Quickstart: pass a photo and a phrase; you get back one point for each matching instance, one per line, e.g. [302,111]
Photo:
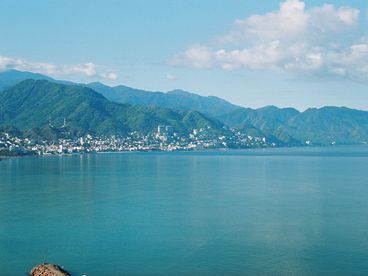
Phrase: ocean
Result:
[289,211]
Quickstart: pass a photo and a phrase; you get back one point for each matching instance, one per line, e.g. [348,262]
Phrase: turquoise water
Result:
[281,211]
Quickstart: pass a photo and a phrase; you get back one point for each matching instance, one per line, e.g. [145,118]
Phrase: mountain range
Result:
[29,99]
[175,99]
[30,104]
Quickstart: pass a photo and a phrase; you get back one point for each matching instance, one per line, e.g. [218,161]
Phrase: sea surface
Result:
[297,211]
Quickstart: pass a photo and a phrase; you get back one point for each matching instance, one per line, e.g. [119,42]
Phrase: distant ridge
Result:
[12,77]
[175,99]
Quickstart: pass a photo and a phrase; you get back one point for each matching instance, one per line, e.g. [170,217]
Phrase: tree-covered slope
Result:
[176,99]
[328,125]
[323,126]
[31,103]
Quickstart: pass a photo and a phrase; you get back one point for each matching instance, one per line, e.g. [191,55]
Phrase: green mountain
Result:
[323,126]
[176,99]
[285,126]
[331,125]
[29,105]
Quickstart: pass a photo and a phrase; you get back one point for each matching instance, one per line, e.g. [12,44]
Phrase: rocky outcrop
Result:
[48,270]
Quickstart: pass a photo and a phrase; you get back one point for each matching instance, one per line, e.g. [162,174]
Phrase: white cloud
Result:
[171,77]
[109,76]
[197,56]
[290,21]
[295,39]
[85,69]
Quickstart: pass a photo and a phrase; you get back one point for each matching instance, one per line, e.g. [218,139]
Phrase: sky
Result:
[285,53]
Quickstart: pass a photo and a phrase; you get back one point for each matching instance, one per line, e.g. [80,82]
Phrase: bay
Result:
[292,211]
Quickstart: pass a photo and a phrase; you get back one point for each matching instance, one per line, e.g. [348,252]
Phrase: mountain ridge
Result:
[31,103]
[175,99]
[288,126]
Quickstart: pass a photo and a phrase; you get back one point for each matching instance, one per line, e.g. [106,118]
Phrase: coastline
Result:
[259,150]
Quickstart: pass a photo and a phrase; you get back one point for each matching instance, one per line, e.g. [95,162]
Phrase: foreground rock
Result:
[48,270]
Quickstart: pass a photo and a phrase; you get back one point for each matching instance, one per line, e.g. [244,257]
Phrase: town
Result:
[163,139]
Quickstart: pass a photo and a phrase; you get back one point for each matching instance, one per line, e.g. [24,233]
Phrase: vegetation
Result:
[30,105]
[324,126]
[102,110]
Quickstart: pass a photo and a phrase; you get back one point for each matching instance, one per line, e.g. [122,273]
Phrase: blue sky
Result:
[285,53]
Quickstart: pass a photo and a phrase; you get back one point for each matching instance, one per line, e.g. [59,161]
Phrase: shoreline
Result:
[2,158]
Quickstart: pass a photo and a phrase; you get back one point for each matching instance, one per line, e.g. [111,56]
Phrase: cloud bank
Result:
[86,69]
[322,40]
